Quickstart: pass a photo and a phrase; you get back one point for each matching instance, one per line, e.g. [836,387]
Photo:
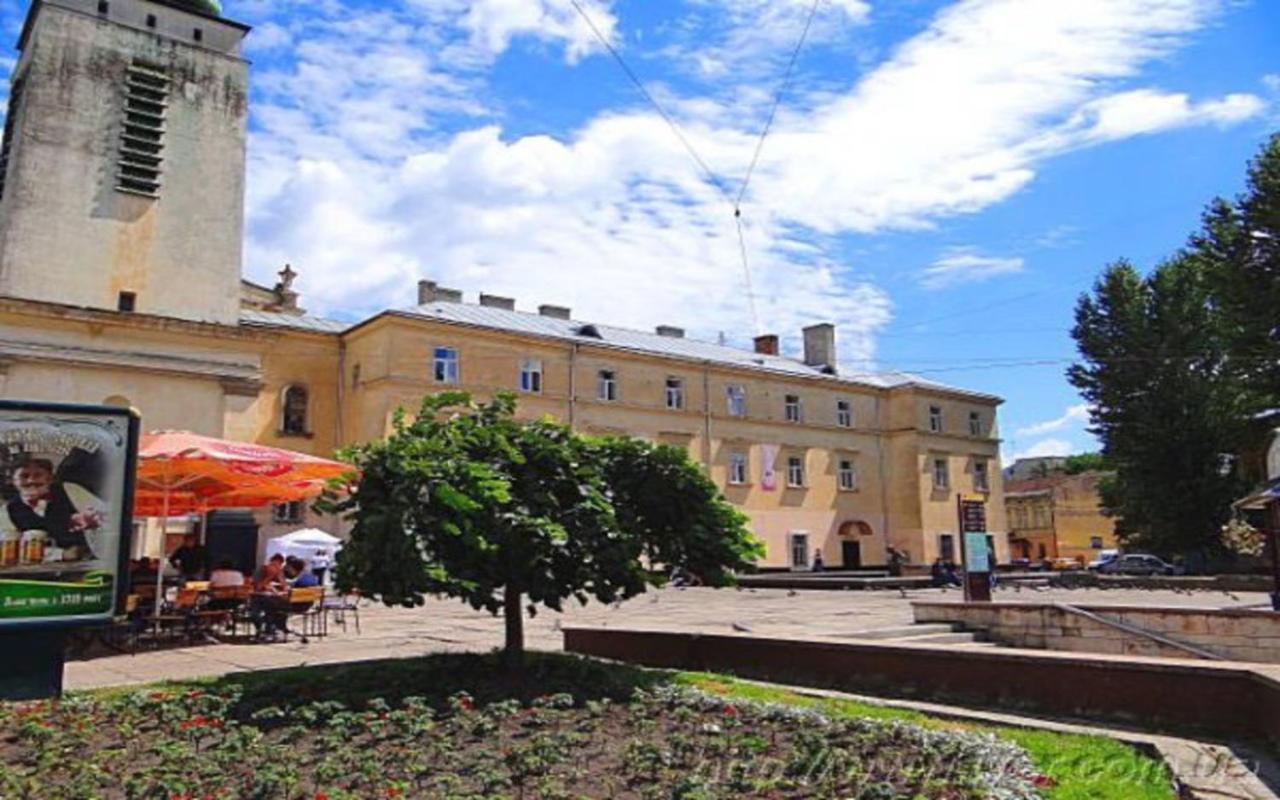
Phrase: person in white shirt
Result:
[225,575]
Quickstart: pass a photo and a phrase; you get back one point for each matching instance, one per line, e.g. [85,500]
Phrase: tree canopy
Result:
[466,501]
[1175,364]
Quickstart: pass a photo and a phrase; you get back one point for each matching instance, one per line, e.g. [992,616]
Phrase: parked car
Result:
[1139,564]
[1061,564]
[1104,557]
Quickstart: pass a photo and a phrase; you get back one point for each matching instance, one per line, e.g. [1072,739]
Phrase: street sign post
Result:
[66,518]
[974,553]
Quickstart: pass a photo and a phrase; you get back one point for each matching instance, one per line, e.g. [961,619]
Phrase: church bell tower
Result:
[123,161]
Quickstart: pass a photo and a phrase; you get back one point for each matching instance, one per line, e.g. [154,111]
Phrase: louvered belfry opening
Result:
[10,125]
[142,139]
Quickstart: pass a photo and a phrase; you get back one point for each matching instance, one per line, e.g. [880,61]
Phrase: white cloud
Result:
[1044,448]
[966,265]
[355,180]
[1272,82]
[1076,415]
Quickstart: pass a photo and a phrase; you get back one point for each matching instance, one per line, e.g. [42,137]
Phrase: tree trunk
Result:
[514,608]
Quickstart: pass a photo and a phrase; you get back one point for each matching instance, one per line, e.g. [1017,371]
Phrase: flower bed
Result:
[665,742]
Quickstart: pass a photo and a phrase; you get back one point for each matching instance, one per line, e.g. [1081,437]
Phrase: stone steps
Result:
[924,633]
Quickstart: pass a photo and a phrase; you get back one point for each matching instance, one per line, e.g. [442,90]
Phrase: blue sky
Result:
[942,179]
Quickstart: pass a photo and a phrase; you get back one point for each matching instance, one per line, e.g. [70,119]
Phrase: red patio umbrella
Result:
[181,472]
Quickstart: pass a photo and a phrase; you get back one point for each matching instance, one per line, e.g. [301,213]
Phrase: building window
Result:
[737,396]
[738,468]
[127,301]
[941,476]
[294,416]
[287,513]
[198,34]
[675,393]
[800,550]
[355,375]
[795,472]
[975,423]
[980,482]
[947,547]
[103,6]
[935,419]
[531,375]
[151,20]
[607,385]
[844,413]
[792,408]
[1095,542]
[847,474]
[142,135]
[445,368]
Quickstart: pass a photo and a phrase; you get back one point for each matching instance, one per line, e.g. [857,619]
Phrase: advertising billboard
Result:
[66,500]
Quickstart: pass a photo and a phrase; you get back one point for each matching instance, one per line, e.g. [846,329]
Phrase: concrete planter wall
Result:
[1231,635]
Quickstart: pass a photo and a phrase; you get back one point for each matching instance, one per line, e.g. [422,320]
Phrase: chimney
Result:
[556,312]
[494,301]
[430,292]
[426,292]
[767,344]
[670,331]
[820,346]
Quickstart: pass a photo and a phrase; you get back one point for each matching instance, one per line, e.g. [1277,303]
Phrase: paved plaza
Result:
[449,626]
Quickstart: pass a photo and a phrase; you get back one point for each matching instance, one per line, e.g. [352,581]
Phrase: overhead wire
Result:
[708,173]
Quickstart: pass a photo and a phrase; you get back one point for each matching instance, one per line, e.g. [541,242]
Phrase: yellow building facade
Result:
[1058,516]
[138,301]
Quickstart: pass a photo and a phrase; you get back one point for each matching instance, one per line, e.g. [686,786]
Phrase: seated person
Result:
[225,575]
[269,603]
[295,571]
[191,559]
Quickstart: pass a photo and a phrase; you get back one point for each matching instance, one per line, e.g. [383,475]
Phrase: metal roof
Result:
[568,330]
[277,319]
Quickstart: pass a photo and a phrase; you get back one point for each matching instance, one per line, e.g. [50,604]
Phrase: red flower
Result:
[393,791]
[730,711]
[1043,781]
[321,796]
[466,704]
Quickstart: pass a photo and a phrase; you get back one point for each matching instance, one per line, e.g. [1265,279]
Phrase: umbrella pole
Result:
[164,530]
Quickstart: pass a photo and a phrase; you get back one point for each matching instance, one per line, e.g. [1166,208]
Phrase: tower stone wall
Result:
[124,177]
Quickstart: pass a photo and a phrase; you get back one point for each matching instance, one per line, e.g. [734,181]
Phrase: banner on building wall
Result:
[66,490]
[768,473]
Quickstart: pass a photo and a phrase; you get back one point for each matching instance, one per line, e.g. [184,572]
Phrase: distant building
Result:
[121,221]
[1036,467]
[1058,516]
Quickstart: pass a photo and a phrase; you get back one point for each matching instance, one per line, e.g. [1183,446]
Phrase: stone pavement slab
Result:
[450,626]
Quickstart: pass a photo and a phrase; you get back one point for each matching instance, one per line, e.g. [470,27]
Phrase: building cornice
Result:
[164,363]
[134,320]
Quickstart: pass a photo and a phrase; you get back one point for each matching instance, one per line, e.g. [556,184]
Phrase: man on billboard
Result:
[49,516]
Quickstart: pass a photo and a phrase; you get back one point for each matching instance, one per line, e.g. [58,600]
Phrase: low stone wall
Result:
[1227,701]
[1243,635]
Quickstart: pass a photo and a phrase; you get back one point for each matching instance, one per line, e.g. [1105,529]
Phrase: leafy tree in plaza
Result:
[1176,365]
[466,501]
[1085,462]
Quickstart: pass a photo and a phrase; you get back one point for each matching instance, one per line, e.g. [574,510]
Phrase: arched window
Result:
[294,417]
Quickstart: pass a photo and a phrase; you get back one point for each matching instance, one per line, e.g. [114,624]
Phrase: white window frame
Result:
[795,472]
[607,385]
[531,375]
[935,419]
[446,364]
[844,413]
[792,411]
[847,474]
[736,398]
[674,393]
[944,474]
[981,476]
[739,468]
[975,423]
[289,513]
[798,543]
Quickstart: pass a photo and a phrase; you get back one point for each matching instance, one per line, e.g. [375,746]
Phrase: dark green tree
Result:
[466,501]
[1179,365]
[1085,462]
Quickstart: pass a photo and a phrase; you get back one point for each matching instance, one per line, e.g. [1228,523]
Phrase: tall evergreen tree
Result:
[1177,364]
